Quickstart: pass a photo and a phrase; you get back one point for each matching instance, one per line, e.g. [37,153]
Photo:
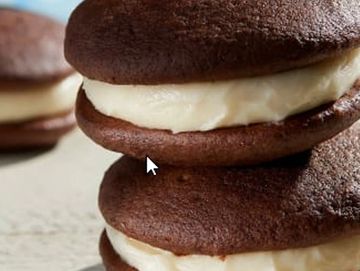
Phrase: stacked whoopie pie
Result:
[212,90]
[37,86]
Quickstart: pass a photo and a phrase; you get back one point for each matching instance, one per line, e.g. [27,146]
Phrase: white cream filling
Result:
[341,255]
[19,104]
[210,105]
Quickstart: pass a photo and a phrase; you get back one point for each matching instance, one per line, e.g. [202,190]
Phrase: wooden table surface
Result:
[49,218]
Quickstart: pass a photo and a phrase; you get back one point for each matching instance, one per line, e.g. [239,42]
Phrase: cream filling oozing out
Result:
[18,104]
[341,255]
[209,105]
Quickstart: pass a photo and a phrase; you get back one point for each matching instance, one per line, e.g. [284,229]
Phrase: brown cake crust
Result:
[242,145]
[37,133]
[305,200]
[111,259]
[31,48]
[155,42]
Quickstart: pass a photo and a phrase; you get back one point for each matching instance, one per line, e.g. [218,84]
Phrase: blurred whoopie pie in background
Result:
[37,86]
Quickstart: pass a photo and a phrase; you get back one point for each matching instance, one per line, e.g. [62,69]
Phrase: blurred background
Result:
[58,9]
[49,219]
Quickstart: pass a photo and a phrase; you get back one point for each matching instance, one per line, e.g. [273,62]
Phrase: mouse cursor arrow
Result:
[150,166]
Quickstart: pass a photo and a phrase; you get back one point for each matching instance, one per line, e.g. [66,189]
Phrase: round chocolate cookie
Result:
[31,48]
[37,133]
[310,199]
[242,145]
[156,42]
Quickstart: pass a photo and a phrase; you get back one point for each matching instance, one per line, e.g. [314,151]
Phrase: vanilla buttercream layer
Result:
[18,104]
[211,105]
[341,255]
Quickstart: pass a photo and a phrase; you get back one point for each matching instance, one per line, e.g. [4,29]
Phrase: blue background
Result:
[58,9]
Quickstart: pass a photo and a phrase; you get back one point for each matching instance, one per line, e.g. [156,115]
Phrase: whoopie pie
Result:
[250,110]
[215,82]
[37,86]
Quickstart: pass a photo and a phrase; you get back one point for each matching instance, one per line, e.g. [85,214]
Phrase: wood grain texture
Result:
[49,217]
